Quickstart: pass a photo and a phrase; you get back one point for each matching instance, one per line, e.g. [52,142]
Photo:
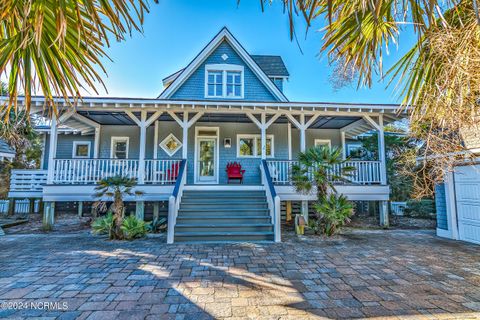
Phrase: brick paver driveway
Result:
[390,274]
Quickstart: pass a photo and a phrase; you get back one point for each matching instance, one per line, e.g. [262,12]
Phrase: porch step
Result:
[223,236]
[233,215]
[199,219]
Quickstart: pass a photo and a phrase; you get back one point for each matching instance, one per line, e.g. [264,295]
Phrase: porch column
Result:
[384,222]
[381,151]
[303,143]
[155,141]
[289,138]
[48,215]
[80,208]
[342,138]
[96,146]
[263,132]
[140,210]
[52,150]
[141,153]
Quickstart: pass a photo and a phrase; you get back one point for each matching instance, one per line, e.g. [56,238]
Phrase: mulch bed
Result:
[63,223]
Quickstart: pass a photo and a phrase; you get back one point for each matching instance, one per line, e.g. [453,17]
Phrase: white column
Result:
[263,131]
[52,150]
[303,144]
[96,146]
[289,138]
[381,151]
[185,135]
[141,154]
[155,141]
[344,151]
[384,213]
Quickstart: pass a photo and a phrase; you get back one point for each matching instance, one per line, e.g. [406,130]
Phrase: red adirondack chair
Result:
[235,172]
[172,173]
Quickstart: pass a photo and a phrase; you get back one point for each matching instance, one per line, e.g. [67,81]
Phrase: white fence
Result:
[366,172]
[21,206]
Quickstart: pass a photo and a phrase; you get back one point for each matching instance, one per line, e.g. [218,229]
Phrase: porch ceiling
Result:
[121,118]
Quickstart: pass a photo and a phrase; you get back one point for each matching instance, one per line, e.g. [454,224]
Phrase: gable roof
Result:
[273,66]
[223,35]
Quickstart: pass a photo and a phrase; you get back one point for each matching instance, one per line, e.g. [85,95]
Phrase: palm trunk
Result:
[119,214]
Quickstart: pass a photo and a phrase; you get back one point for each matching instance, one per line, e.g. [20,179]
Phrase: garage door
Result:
[467,194]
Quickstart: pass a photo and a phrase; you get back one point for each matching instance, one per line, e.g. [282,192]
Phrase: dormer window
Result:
[224,81]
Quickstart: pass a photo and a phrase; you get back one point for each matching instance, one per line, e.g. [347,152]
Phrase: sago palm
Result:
[116,188]
[320,167]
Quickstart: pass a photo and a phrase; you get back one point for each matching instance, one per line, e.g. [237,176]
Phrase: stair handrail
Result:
[174,200]
[273,200]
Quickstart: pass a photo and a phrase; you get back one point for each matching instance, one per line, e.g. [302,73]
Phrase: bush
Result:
[333,212]
[424,208]
[104,225]
[134,228]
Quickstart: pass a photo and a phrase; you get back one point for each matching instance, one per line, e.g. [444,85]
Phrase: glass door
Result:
[207,160]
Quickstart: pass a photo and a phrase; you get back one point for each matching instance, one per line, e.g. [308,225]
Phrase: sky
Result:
[175,31]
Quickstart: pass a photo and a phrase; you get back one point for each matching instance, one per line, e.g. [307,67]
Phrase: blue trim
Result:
[183,164]
[269,180]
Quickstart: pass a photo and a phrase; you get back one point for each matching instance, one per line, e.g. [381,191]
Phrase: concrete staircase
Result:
[223,216]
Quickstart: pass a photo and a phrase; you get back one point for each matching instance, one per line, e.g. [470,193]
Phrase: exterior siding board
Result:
[194,86]
[441,206]
[65,146]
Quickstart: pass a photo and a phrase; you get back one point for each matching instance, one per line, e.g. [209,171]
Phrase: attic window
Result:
[224,81]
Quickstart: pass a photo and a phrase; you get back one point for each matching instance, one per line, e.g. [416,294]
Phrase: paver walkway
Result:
[391,274]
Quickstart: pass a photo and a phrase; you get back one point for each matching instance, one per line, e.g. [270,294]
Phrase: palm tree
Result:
[116,188]
[320,166]
[55,46]
[437,78]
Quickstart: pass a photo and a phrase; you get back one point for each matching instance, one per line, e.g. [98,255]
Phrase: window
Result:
[81,149]
[119,148]
[249,145]
[234,84]
[215,84]
[170,144]
[323,142]
[223,81]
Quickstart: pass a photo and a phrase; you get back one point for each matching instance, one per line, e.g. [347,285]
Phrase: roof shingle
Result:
[273,66]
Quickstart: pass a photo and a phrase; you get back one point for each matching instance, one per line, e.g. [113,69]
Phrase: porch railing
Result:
[28,180]
[89,171]
[366,172]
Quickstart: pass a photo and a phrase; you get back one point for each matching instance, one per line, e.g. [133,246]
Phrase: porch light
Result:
[227,143]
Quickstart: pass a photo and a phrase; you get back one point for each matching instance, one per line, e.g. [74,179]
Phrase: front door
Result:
[207,161]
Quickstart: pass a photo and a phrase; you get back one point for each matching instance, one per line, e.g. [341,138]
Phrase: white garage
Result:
[467,198]
[458,205]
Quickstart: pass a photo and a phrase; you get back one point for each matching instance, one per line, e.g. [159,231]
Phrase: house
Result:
[457,199]
[225,106]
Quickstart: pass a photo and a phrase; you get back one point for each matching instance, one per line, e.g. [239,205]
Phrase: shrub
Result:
[104,225]
[333,211]
[134,228]
[424,208]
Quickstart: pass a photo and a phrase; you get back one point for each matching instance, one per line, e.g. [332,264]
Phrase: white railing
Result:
[398,208]
[161,171]
[366,172]
[174,201]
[273,200]
[27,180]
[87,171]
[4,204]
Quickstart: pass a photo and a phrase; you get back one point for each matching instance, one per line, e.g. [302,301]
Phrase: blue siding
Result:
[441,206]
[279,83]
[194,87]
[65,146]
